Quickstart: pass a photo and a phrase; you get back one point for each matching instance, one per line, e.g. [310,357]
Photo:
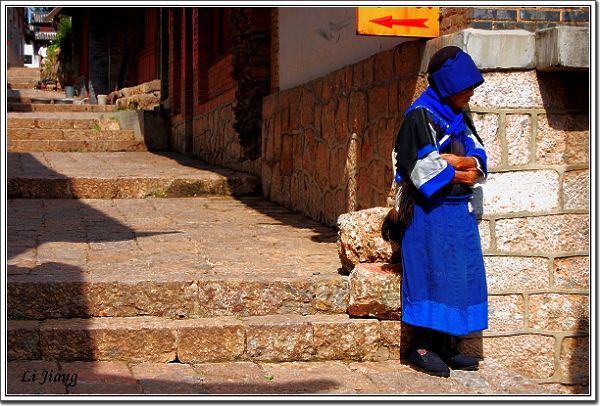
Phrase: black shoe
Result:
[456,360]
[429,362]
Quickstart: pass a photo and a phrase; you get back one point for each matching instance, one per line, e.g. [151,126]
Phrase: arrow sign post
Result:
[398,21]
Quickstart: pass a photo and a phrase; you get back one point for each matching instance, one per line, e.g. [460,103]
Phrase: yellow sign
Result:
[398,21]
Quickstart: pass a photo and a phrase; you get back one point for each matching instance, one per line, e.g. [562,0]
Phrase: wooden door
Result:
[144,46]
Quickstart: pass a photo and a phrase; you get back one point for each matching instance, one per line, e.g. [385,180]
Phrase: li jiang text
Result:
[45,377]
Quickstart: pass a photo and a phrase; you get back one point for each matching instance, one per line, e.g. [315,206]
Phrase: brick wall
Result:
[327,150]
[251,63]
[210,130]
[200,56]
[214,139]
[175,52]
[454,19]
[181,74]
[187,71]
[202,115]
[221,86]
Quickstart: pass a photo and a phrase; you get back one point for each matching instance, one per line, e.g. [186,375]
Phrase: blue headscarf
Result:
[457,74]
[454,76]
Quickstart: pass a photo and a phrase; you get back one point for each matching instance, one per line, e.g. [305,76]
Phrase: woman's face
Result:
[461,99]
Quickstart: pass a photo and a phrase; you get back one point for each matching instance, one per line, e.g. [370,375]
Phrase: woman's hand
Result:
[461,163]
[466,177]
[465,168]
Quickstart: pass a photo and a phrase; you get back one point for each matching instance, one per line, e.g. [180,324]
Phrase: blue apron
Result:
[444,285]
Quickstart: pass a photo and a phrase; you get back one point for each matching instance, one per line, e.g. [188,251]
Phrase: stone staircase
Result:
[22,77]
[60,132]
[122,258]
[109,250]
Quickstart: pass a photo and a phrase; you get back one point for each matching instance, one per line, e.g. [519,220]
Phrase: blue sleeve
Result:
[475,149]
[416,157]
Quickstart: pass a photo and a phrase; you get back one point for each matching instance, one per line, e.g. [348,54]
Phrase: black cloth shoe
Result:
[456,360]
[429,362]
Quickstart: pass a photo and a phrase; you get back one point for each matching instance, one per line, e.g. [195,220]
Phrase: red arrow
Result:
[411,22]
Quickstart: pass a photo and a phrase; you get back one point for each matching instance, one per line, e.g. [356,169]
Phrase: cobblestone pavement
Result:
[216,234]
[357,379]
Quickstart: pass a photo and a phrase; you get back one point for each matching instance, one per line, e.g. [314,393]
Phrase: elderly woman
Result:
[437,158]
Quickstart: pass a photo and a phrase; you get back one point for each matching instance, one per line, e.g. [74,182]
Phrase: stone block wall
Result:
[535,223]
[327,150]
[327,144]
[215,141]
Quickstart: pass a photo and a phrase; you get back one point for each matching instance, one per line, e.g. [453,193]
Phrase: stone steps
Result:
[41,121]
[98,266]
[153,287]
[39,132]
[106,270]
[145,96]
[24,105]
[23,83]
[110,175]
[65,134]
[105,265]
[21,71]
[22,78]
[273,338]
[75,145]
[109,273]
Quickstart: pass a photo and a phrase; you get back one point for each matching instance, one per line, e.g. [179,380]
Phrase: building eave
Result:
[52,14]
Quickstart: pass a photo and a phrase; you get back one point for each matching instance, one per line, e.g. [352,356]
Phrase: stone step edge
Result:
[24,84]
[12,73]
[24,146]
[69,134]
[16,75]
[27,106]
[61,187]
[68,295]
[275,338]
[49,122]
